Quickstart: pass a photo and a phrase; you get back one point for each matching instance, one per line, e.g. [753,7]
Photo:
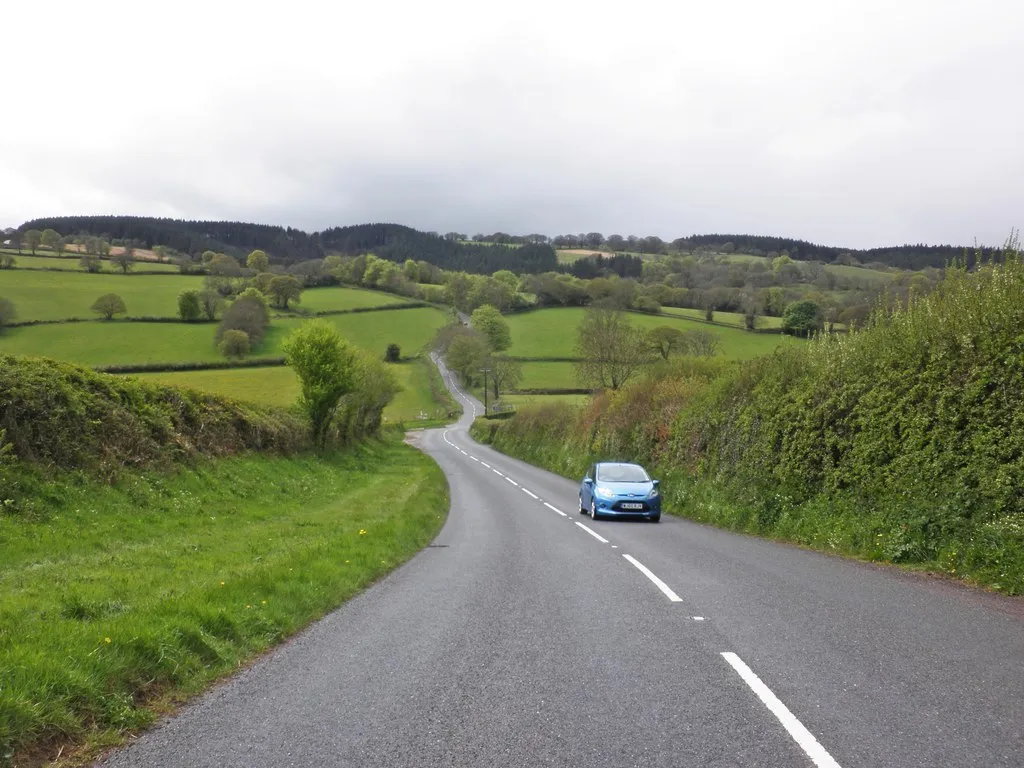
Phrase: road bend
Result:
[529,635]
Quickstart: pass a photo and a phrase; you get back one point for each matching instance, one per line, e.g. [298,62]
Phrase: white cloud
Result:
[854,123]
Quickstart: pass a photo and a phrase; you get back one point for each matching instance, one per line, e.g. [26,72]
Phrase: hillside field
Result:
[70,263]
[278,386]
[552,333]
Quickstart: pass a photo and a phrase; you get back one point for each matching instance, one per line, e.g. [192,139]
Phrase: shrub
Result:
[802,318]
[108,305]
[7,261]
[393,353]
[325,365]
[234,344]
[8,313]
[90,263]
[189,307]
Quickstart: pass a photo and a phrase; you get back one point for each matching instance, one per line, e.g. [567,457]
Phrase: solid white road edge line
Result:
[602,539]
[531,494]
[800,735]
[555,509]
[654,579]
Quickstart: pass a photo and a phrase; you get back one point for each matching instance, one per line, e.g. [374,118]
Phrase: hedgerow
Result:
[902,441]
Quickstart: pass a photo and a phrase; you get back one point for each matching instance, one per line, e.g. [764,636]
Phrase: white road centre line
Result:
[654,579]
[800,734]
[474,458]
[486,464]
[602,539]
[512,481]
[555,509]
[496,472]
[531,494]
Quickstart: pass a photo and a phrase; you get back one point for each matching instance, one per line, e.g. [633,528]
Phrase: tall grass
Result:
[903,441]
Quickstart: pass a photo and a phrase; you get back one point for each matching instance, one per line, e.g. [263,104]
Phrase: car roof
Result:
[618,464]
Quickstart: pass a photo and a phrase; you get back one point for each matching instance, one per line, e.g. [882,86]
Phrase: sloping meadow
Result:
[902,442]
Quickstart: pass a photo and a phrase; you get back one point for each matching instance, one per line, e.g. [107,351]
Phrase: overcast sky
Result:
[855,123]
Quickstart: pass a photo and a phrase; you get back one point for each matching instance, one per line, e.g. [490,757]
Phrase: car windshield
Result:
[621,473]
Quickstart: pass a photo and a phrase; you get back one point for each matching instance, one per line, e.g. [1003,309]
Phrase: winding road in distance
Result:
[527,635]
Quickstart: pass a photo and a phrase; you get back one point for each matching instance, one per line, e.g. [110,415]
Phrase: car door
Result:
[588,490]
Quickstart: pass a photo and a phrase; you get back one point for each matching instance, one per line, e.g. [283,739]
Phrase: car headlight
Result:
[604,491]
[653,494]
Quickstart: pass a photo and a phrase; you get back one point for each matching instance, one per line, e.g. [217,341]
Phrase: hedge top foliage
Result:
[61,415]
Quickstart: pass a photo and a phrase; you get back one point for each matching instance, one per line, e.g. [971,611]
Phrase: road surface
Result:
[528,635]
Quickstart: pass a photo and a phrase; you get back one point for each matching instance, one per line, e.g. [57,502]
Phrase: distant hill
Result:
[398,243]
[901,256]
[287,245]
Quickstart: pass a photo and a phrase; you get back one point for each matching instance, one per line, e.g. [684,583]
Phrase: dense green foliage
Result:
[60,415]
[108,305]
[903,441]
[121,597]
[247,314]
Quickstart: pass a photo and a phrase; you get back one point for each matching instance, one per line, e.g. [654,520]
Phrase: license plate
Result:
[627,505]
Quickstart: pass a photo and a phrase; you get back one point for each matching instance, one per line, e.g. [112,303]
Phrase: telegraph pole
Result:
[485,371]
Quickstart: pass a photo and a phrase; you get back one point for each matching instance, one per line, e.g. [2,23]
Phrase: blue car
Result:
[614,489]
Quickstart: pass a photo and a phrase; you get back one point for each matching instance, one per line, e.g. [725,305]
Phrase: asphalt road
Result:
[528,635]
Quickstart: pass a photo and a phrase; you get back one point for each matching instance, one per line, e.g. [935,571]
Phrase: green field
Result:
[123,343]
[552,333]
[334,298]
[60,295]
[127,595]
[278,386]
[70,264]
[729,318]
[520,400]
[548,376]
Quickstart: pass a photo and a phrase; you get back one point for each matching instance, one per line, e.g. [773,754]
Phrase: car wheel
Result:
[593,508]
[655,519]
[582,510]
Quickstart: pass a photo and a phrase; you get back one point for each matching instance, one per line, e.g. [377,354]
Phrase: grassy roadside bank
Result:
[122,599]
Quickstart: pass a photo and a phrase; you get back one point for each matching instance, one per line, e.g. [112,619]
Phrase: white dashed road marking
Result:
[800,734]
[602,539]
[531,494]
[512,481]
[654,579]
[555,509]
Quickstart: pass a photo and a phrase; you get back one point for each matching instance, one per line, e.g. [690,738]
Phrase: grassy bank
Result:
[122,598]
[901,442]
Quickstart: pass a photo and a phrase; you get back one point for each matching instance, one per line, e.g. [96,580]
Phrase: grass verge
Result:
[129,597]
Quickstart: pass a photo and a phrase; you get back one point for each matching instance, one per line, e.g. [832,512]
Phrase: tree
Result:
[223,265]
[612,350]
[701,343]
[505,374]
[246,313]
[125,259]
[467,354]
[208,256]
[258,261]
[393,353]
[488,321]
[7,312]
[285,288]
[665,340]
[90,263]
[802,318]
[234,344]
[50,238]
[211,303]
[32,239]
[189,307]
[108,305]
[325,365]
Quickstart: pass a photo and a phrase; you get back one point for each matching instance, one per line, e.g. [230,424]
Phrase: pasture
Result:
[335,298]
[124,343]
[729,318]
[70,263]
[61,295]
[552,333]
[279,386]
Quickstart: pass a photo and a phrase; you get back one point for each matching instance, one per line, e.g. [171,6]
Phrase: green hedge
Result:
[901,442]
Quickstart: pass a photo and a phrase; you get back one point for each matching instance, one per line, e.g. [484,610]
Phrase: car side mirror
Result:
[588,481]
[656,483]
